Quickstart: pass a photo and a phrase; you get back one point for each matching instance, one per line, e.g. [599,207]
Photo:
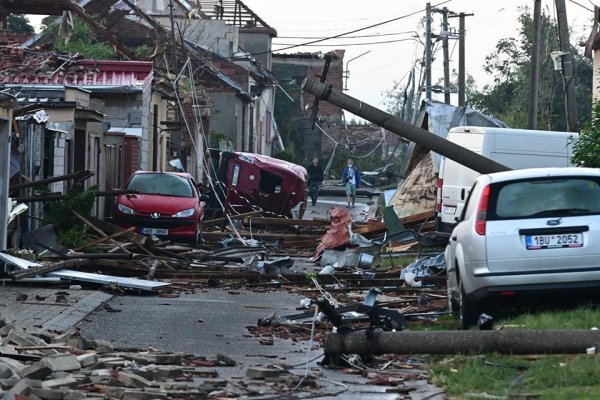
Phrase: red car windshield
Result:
[161,184]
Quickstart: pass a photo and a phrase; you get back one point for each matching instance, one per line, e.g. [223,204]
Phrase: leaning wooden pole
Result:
[463,342]
[402,128]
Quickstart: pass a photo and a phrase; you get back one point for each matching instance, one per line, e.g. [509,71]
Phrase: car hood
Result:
[148,203]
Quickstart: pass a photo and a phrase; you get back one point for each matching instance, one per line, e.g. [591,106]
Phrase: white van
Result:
[515,148]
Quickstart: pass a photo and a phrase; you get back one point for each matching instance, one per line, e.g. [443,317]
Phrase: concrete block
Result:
[6,371]
[19,391]
[68,381]
[102,346]
[168,372]
[69,394]
[109,362]
[63,362]
[100,375]
[38,370]
[6,384]
[21,339]
[131,380]
[158,358]
[5,330]
[225,360]
[145,395]
[87,359]
[12,363]
[48,394]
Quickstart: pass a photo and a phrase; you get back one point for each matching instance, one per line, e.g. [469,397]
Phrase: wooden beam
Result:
[286,221]
[233,217]
[101,30]
[104,239]
[98,230]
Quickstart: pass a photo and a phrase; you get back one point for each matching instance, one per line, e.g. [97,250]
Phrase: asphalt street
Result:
[214,321]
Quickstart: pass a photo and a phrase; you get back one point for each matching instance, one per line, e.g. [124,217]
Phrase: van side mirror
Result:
[462,193]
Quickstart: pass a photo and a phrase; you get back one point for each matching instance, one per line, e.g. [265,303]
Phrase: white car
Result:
[525,232]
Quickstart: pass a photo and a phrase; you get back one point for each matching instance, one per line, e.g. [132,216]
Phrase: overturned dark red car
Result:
[251,181]
[165,204]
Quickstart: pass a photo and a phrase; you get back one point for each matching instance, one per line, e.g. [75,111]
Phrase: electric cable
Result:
[346,44]
[346,37]
[354,31]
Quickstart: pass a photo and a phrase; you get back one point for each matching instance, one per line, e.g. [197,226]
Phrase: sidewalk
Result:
[45,312]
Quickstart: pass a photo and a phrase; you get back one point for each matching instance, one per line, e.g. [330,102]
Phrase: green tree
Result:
[82,41]
[19,24]
[510,64]
[586,151]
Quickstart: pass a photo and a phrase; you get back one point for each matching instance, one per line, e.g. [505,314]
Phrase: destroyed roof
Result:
[19,67]
[236,13]
[438,118]
[335,54]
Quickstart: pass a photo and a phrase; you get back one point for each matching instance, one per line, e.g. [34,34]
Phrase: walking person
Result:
[315,178]
[351,177]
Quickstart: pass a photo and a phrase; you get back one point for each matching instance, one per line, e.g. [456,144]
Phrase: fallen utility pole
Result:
[402,128]
[574,341]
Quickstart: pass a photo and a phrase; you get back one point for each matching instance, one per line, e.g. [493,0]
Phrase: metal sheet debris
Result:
[19,262]
[131,283]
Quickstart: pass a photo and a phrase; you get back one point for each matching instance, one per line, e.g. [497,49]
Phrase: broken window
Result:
[269,183]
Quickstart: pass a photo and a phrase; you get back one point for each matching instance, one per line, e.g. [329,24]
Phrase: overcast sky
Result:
[374,73]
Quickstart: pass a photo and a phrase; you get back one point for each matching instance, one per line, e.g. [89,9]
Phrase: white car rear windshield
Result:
[161,184]
[546,197]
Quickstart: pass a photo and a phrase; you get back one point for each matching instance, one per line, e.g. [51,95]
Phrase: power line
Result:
[581,5]
[345,37]
[353,31]
[344,44]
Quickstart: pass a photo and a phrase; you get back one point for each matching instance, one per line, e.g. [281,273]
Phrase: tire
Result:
[453,303]
[468,311]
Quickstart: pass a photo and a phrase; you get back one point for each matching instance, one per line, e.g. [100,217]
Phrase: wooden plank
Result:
[104,239]
[233,217]
[418,217]
[98,230]
[286,221]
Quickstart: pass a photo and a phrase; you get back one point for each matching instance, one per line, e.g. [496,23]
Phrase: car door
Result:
[460,239]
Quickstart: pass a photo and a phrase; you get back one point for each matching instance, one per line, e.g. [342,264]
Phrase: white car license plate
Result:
[155,231]
[538,242]
[449,210]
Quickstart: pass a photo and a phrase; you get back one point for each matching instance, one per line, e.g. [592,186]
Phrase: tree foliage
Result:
[510,64]
[82,41]
[586,151]
[19,24]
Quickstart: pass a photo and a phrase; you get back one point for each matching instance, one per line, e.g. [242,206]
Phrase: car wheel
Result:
[467,309]
[452,302]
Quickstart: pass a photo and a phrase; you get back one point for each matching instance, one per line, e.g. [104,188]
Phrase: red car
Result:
[166,204]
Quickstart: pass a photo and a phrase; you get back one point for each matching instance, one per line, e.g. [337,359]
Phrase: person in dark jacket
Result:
[315,178]
[351,177]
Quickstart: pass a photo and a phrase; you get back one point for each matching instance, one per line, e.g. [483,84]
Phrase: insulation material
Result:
[417,193]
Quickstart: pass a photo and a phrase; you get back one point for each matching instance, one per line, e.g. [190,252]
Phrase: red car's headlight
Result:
[185,213]
[125,209]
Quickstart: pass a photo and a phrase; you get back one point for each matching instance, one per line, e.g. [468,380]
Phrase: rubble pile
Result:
[40,364]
